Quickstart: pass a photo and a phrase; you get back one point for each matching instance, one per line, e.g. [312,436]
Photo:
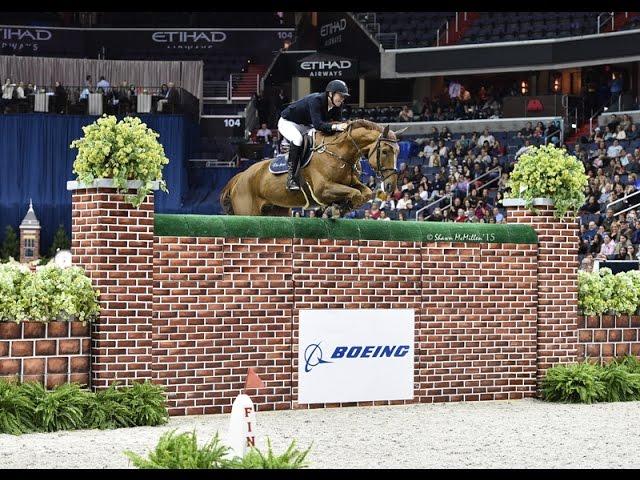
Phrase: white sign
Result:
[333,27]
[242,425]
[355,355]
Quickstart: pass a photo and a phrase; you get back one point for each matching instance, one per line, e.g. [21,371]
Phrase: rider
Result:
[317,110]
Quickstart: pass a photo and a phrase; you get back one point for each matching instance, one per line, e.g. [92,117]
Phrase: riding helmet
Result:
[337,86]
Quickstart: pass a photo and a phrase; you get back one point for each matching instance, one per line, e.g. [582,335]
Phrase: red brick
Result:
[81,378]
[21,348]
[9,367]
[9,330]
[4,349]
[53,380]
[79,364]
[58,329]
[69,346]
[57,365]
[45,347]
[33,330]
[80,330]
[33,366]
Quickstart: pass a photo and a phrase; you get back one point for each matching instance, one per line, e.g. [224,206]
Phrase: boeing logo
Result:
[313,357]
[313,353]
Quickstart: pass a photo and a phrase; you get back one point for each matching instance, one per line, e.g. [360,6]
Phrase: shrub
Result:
[549,172]
[51,293]
[29,407]
[16,409]
[601,292]
[180,451]
[292,458]
[619,384]
[124,150]
[579,383]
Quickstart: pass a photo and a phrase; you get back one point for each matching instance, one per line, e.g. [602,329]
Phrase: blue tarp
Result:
[36,162]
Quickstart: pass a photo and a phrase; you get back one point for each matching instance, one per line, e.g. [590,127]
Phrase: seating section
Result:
[414,29]
[492,27]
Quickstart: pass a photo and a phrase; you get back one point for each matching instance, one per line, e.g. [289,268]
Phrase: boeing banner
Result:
[319,65]
[356,355]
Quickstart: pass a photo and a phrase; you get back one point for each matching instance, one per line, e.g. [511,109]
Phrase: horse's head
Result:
[383,155]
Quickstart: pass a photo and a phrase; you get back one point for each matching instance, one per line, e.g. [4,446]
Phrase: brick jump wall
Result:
[225,304]
[193,310]
[50,353]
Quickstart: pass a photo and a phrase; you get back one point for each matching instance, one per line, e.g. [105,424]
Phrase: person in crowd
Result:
[172,99]
[264,134]
[60,98]
[406,114]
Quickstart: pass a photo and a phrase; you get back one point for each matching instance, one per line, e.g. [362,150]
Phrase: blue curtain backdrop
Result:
[36,162]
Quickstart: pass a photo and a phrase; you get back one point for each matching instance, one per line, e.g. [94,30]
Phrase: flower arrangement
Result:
[124,150]
[549,172]
[601,292]
[51,293]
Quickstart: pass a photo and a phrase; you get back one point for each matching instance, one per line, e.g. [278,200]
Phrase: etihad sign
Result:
[333,27]
[325,68]
[25,33]
[189,37]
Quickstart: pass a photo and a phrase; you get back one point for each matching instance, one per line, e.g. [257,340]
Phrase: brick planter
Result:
[605,337]
[50,353]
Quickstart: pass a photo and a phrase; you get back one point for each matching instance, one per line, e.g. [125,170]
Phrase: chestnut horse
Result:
[332,175]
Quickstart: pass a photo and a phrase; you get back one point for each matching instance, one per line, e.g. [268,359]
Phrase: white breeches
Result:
[292,131]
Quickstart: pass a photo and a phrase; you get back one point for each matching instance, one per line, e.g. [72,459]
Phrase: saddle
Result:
[278,165]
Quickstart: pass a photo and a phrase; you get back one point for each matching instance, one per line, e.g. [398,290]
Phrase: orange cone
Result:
[253,380]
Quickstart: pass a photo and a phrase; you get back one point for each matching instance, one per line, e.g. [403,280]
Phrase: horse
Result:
[331,176]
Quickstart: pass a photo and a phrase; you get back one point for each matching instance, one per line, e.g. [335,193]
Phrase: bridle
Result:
[380,171]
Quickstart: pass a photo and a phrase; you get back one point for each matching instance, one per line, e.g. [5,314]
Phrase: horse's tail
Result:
[225,196]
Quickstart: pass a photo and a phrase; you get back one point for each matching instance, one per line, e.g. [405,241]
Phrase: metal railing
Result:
[493,170]
[623,199]
[449,196]
[388,40]
[216,90]
[607,16]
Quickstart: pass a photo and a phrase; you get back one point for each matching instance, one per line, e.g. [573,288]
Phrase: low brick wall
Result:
[50,353]
[605,337]
[193,301]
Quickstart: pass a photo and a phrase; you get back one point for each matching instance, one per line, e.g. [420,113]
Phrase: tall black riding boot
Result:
[293,162]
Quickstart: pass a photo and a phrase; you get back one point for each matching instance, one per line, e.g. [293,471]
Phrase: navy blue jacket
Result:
[312,110]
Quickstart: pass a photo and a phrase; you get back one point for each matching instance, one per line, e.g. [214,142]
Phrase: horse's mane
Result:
[369,125]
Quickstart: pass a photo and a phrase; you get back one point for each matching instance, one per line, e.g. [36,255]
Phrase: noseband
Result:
[380,171]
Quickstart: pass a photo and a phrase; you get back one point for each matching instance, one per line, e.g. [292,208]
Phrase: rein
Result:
[355,165]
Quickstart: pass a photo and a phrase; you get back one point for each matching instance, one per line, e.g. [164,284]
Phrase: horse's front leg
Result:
[343,195]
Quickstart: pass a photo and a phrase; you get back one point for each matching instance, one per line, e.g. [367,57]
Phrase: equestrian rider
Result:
[315,110]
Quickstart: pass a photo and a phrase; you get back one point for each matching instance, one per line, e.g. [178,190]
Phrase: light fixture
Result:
[573,125]
[557,82]
[606,108]
[524,87]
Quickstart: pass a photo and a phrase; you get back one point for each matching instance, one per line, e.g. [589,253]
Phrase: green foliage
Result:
[12,278]
[16,409]
[601,292]
[146,404]
[579,383]
[108,410]
[29,407]
[549,172]
[586,382]
[124,150]
[620,385]
[177,451]
[254,459]
[62,408]
[10,245]
[60,242]
[51,293]
[181,451]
